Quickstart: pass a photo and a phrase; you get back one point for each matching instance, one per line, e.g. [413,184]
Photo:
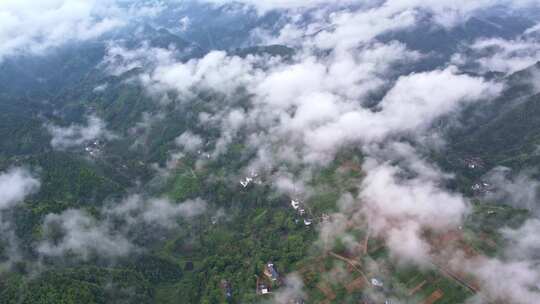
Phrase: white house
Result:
[375,282]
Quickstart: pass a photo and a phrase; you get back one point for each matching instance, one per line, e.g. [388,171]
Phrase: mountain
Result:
[269,152]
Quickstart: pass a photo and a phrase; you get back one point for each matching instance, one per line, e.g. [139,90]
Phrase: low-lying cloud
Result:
[112,235]
[77,135]
[81,235]
[344,88]
[519,190]
[503,55]
[15,185]
[30,27]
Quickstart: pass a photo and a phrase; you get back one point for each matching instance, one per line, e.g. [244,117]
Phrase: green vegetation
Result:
[79,285]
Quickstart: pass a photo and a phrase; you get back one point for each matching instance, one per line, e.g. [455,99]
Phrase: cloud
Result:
[517,190]
[400,201]
[411,106]
[346,24]
[304,110]
[448,10]
[400,197]
[136,210]
[77,135]
[501,55]
[119,59]
[267,5]
[216,71]
[185,23]
[342,88]
[292,292]
[308,104]
[517,263]
[15,185]
[524,241]
[189,142]
[419,199]
[76,232]
[28,26]
[513,281]
[113,234]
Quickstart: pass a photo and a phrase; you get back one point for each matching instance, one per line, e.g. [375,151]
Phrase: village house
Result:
[262,289]
[246,181]
[295,204]
[376,282]
[271,272]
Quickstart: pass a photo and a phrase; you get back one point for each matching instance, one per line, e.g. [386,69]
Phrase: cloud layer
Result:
[82,235]
[15,185]
[342,88]
[33,27]
[77,135]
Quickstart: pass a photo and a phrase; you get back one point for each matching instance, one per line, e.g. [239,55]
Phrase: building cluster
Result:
[253,177]
[299,208]
[94,148]
[262,289]
[474,162]
[377,283]
[227,288]
[481,187]
[270,272]
[204,154]
[271,279]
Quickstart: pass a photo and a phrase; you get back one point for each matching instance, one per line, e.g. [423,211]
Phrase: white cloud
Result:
[266,5]
[517,190]
[401,200]
[33,27]
[506,56]
[419,199]
[411,106]
[136,210]
[417,99]
[291,292]
[119,59]
[303,110]
[77,135]
[347,24]
[30,26]
[215,71]
[82,235]
[299,111]
[524,241]
[502,55]
[15,185]
[446,12]
[185,23]
[189,142]
[509,281]
[308,102]
[406,245]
